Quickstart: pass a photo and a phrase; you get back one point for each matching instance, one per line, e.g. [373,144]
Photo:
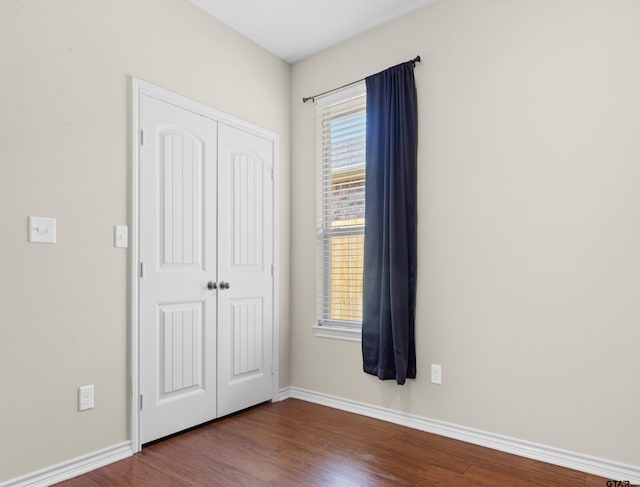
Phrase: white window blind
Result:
[341,143]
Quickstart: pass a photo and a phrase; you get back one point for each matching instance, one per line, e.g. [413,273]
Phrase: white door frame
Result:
[139,88]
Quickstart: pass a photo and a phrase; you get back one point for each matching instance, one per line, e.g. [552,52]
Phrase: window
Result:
[341,143]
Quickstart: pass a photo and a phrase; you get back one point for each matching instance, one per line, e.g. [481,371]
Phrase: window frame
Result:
[327,327]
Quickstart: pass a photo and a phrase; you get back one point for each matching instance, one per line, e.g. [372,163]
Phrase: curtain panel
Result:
[390,245]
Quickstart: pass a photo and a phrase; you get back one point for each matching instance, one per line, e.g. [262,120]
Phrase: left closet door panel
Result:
[178,184]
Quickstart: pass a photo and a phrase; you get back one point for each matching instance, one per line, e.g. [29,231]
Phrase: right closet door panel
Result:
[245,269]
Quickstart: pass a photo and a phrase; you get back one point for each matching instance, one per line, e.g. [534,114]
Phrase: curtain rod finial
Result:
[416,59]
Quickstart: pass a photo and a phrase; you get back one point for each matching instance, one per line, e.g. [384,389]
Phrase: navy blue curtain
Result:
[390,255]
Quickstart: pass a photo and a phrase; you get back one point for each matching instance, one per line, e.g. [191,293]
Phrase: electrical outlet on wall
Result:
[85,398]
[436,374]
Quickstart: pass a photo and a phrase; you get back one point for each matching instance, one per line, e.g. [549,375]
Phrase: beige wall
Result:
[529,203]
[64,122]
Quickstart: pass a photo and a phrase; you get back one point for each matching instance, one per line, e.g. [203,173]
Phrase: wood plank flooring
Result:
[296,443]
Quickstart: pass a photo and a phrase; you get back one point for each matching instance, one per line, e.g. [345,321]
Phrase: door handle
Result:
[224,285]
[211,285]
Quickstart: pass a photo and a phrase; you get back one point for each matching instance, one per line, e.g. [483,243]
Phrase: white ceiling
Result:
[295,29]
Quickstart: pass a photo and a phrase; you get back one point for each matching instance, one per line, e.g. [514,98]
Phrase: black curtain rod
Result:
[313,98]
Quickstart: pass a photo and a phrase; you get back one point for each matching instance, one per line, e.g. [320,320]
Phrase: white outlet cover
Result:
[42,229]
[436,374]
[85,397]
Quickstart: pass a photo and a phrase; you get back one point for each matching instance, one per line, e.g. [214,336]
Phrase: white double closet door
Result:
[206,252]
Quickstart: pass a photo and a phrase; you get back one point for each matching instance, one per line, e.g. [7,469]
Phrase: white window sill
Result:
[338,333]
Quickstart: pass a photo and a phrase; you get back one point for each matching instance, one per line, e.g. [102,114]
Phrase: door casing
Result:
[138,88]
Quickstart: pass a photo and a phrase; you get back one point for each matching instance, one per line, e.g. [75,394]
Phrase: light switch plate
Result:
[121,236]
[42,229]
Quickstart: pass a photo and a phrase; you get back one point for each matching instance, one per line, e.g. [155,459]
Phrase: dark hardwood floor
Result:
[296,443]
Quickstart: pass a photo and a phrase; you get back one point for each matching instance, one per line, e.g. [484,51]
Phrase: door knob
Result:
[224,285]
[211,285]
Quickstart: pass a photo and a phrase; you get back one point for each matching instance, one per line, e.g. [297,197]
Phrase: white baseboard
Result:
[555,456]
[72,468]
[285,393]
